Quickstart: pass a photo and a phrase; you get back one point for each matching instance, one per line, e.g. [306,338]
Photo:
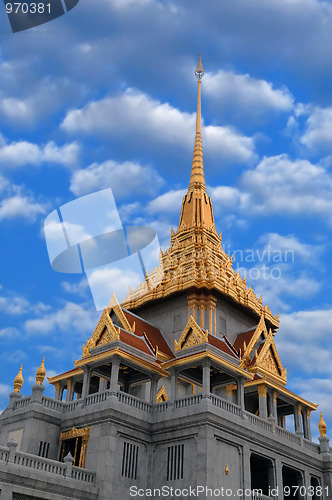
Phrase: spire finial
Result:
[197,169]
[322,427]
[199,71]
[18,381]
[41,373]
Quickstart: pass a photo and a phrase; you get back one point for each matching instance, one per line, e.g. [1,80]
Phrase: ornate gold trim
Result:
[75,433]
[18,381]
[192,335]
[116,351]
[211,356]
[104,333]
[162,396]
[41,373]
[230,389]
[282,390]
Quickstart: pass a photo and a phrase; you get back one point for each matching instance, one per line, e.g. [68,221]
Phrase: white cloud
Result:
[70,317]
[227,197]
[291,245]
[245,94]
[18,154]
[138,116]
[20,206]
[5,389]
[9,332]
[318,129]
[280,185]
[125,179]
[312,325]
[166,203]
[106,280]
[76,288]
[277,283]
[15,305]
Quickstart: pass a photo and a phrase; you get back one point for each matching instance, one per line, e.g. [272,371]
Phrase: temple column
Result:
[262,400]
[115,375]
[298,419]
[70,390]
[240,393]
[174,383]
[206,378]
[307,424]
[229,393]
[86,380]
[272,404]
[153,389]
[102,384]
[279,480]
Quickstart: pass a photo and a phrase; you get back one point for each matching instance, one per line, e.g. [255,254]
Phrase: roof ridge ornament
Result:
[199,71]
[197,169]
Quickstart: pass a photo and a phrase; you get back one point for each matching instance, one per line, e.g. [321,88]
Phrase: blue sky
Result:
[105,97]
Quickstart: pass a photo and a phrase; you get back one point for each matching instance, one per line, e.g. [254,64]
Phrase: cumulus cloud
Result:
[5,389]
[166,203]
[317,135]
[146,120]
[21,206]
[280,185]
[290,245]
[70,316]
[245,94]
[14,304]
[125,179]
[20,153]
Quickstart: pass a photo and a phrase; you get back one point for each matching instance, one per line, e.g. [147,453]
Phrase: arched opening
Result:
[262,476]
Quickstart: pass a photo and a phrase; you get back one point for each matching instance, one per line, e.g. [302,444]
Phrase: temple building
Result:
[179,386]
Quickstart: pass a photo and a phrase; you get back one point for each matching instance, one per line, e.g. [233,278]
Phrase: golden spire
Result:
[18,381]
[41,372]
[197,169]
[322,427]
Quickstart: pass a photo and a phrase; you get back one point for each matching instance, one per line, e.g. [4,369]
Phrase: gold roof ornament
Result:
[196,257]
[197,169]
[199,71]
[41,373]
[18,381]
[322,427]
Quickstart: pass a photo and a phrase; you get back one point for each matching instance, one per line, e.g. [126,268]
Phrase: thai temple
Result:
[179,393]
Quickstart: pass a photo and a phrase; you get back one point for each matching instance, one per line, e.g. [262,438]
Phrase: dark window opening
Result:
[43,449]
[72,446]
[261,470]
[129,460]
[292,478]
[175,456]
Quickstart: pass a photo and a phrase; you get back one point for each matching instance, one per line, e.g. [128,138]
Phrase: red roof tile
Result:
[153,334]
[243,338]
[135,341]
[220,344]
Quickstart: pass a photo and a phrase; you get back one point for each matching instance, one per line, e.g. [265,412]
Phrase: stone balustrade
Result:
[192,400]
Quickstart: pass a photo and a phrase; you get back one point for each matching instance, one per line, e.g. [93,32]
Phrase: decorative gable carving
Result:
[192,335]
[105,332]
[267,357]
[162,396]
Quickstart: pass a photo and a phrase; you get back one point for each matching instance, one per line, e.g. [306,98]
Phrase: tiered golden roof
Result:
[196,259]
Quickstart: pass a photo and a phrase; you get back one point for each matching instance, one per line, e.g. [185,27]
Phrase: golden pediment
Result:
[162,396]
[104,332]
[266,358]
[192,335]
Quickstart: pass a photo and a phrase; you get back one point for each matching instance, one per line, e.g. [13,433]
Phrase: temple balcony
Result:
[164,411]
